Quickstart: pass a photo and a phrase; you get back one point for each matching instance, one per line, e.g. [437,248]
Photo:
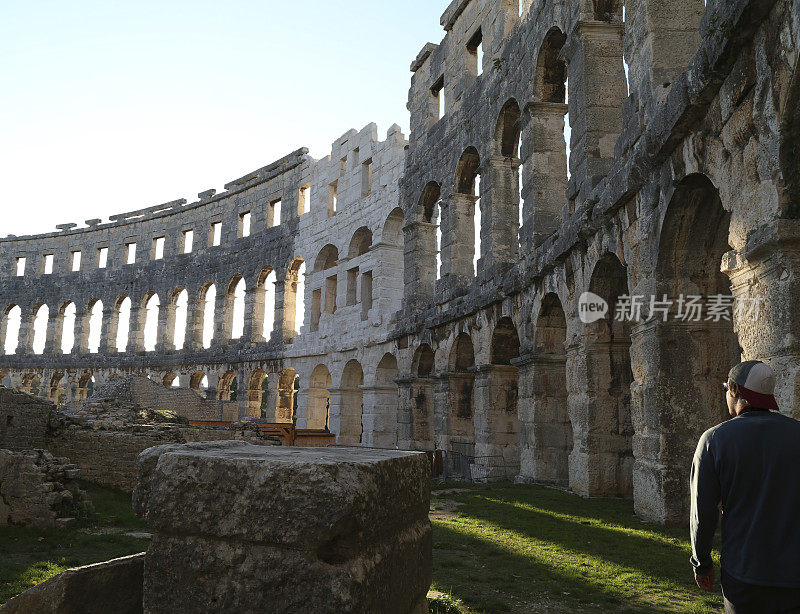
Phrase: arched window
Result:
[235,306]
[294,308]
[551,134]
[40,317]
[360,243]
[95,326]
[151,323]
[9,326]
[123,323]
[466,223]
[208,300]
[68,311]
[265,303]
[181,302]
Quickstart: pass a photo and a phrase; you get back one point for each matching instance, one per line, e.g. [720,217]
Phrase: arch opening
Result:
[351,426]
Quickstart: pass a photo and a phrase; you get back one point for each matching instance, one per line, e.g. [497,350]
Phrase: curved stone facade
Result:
[679,181]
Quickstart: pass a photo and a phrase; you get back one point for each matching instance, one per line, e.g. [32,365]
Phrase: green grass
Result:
[515,548]
[30,556]
[506,548]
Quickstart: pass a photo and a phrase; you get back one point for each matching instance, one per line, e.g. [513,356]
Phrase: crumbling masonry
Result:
[680,178]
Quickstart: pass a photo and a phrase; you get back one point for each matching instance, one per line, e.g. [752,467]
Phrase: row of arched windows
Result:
[158,322]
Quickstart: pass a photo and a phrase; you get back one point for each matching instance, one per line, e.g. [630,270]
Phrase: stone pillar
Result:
[496,419]
[335,419]
[458,238]
[499,215]
[254,314]
[3,331]
[546,172]
[25,344]
[441,413]
[661,36]
[420,263]
[165,334]
[55,325]
[192,509]
[380,416]
[166,327]
[405,413]
[765,279]
[223,319]
[194,320]
[545,431]
[136,334]
[302,409]
[597,91]
[81,346]
[285,309]
[601,463]
[108,341]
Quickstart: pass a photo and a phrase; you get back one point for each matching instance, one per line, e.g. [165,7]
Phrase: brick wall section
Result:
[23,420]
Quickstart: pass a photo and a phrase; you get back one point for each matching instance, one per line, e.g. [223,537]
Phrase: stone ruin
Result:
[38,489]
[424,292]
[246,529]
[103,435]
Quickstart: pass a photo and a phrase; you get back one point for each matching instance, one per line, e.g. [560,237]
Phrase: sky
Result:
[111,106]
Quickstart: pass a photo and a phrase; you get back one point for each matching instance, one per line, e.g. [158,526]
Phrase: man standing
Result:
[751,465]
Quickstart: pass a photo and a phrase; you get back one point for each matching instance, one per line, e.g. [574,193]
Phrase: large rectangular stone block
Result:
[243,528]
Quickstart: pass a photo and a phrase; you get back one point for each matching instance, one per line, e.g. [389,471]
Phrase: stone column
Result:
[597,91]
[166,327]
[302,408]
[3,331]
[420,263]
[53,332]
[223,319]
[285,309]
[81,346]
[458,239]
[546,172]
[335,419]
[136,334]
[380,416]
[496,419]
[405,413]
[765,277]
[499,215]
[25,344]
[108,341]
[254,314]
[661,36]
[441,413]
[194,321]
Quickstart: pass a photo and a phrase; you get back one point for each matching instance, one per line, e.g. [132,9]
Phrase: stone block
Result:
[243,528]
[111,586]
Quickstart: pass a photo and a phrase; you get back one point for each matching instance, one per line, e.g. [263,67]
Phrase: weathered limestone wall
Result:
[23,420]
[339,219]
[37,489]
[689,156]
[245,528]
[678,181]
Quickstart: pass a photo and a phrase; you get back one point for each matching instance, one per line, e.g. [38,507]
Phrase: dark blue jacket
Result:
[751,465]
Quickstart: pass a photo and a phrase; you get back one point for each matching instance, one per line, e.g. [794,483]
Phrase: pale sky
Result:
[111,106]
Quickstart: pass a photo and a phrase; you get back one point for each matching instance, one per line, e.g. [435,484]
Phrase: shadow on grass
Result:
[511,538]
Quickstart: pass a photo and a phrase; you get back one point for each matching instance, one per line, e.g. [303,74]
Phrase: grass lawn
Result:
[497,548]
[30,556]
[527,548]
